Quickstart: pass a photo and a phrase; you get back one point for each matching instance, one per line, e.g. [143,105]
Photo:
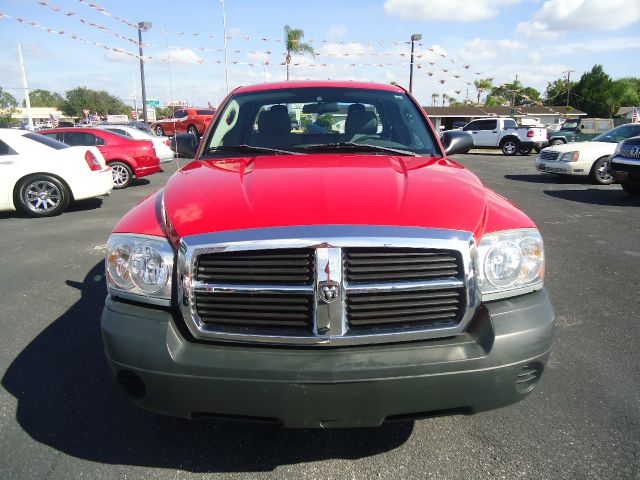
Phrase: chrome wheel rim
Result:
[192,130]
[557,142]
[603,173]
[42,196]
[120,175]
[159,131]
[510,147]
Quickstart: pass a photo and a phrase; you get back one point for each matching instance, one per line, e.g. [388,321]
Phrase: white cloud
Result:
[478,49]
[512,44]
[119,57]
[336,31]
[558,16]
[179,55]
[449,10]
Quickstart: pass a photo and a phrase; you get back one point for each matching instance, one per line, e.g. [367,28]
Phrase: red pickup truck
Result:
[186,120]
[322,277]
[126,157]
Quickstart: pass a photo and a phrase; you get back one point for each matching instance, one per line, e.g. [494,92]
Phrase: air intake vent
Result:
[421,308]
[257,310]
[376,265]
[281,267]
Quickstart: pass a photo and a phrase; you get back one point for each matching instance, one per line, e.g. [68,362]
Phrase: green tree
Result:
[434,98]
[44,98]
[513,94]
[98,101]
[293,43]
[8,103]
[482,85]
[556,92]
[593,93]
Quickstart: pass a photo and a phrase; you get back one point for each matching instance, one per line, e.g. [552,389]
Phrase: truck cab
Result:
[505,134]
[580,130]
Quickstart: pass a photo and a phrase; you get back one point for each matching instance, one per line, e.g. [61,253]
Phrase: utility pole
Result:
[568,72]
[143,26]
[224,32]
[416,37]
[27,102]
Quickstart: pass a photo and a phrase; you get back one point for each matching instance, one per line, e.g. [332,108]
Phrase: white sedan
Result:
[40,176]
[161,144]
[586,158]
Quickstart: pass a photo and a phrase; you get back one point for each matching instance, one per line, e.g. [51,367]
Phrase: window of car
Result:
[618,134]
[603,125]
[482,125]
[327,116]
[570,125]
[119,131]
[6,149]
[588,125]
[85,139]
[510,123]
[180,114]
[48,139]
[205,112]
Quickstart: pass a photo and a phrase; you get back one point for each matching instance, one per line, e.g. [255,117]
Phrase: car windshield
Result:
[618,134]
[570,125]
[322,119]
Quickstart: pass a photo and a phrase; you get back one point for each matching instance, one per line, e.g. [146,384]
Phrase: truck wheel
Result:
[632,188]
[556,141]
[122,174]
[42,196]
[510,146]
[525,150]
[192,130]
[538,149]
[599,173]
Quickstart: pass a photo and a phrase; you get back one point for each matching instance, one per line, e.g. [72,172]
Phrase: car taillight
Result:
[92,161]
[530,133]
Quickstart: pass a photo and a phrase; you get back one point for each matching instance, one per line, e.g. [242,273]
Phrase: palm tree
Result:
[293,43]
[434,98]
[445,97]
[482,84]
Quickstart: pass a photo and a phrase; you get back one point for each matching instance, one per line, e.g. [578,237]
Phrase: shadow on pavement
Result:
[68,400]
[548,178]
[611,197]
[74,206]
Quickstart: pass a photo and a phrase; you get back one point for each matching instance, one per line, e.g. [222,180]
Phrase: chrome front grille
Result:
[330,285]
[549,155]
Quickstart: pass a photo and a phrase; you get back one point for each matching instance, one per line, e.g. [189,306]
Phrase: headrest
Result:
[355,106]
[275,120]
[361,121]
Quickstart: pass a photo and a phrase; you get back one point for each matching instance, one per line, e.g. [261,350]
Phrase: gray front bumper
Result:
[324,386]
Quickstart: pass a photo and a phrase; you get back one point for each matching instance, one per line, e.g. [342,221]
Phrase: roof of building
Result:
[318,83]
[622,111]
[499,111]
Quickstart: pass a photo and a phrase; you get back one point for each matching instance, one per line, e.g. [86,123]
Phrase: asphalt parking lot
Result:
[61,416]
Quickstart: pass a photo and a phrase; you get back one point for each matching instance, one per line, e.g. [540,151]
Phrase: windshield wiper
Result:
[250,148]
[359,146]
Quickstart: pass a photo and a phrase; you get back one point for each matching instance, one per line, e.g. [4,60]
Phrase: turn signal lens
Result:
[92,161]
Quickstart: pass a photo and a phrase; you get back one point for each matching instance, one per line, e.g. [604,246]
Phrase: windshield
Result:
[618,134]
[570,125]
[309,120]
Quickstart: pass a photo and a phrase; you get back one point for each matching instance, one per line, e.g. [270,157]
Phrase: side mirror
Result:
[185,144]
[456,141]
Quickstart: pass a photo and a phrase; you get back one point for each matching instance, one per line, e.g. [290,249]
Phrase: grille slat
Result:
[399,264]
[549,155]
[282,266]
[403,321]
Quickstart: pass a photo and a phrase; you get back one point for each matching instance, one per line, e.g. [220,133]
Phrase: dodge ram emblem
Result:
[328,291]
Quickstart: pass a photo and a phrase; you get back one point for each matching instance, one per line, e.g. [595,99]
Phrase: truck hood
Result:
[277,191]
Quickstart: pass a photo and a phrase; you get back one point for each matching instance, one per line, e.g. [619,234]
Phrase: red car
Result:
[127,158]
[323,277]
[186,120]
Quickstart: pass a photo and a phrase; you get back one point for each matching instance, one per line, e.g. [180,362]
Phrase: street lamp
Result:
[416,37]
[143,26]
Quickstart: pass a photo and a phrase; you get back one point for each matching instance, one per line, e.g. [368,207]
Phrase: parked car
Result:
[325,279]
[504,133]
[589,158]
[127,158]
[40,176]
[140,125]
[186,120]
[580,130]
[161,144]
[625,165]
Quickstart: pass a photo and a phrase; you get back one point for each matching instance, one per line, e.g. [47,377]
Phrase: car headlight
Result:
[570,157]
[511,262]
[139,267]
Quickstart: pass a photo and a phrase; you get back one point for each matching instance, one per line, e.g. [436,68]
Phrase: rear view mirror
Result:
[330,107]
[456,141]
[185,144]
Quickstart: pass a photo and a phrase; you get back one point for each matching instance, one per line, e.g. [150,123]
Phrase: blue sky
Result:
[536,40]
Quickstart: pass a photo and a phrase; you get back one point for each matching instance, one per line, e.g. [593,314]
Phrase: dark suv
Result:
[625,165]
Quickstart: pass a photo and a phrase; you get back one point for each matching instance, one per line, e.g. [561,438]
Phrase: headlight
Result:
[570,157]
[511,262]
[140,267]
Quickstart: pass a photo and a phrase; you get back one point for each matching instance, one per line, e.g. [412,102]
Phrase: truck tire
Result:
[525,150]
[510,146]
[42,196]
[599,173]
[631,188]
[557,141]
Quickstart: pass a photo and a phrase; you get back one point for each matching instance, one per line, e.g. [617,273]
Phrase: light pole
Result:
[143,26]
[224,32]
[416,37]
